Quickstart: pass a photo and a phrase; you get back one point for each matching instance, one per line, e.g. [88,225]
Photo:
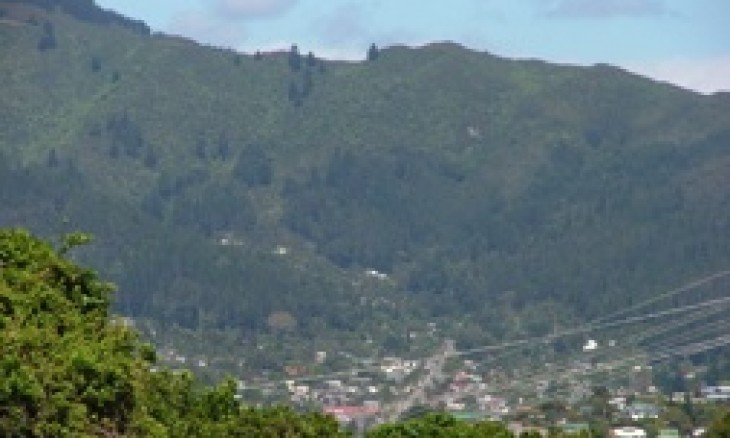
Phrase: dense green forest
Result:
[228,189]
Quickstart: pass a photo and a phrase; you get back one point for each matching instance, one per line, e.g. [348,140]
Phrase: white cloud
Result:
[241,9]
[705,75]
[338,53]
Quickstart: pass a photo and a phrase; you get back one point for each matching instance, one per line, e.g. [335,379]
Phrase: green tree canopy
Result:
[440,425]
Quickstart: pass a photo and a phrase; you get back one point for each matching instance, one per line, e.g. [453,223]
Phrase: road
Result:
[434,367]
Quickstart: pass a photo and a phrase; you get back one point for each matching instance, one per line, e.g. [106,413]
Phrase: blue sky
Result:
[686,42]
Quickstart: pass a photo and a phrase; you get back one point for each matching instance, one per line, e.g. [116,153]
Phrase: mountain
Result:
[278,203]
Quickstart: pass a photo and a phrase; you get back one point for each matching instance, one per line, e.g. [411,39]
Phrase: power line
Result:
[684,288]
[596,324]
[569,372]
[590,327]
[517,343]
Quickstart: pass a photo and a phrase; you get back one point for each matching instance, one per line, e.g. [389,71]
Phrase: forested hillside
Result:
[250,193]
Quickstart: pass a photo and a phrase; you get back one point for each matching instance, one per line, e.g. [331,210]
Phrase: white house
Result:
[627,432]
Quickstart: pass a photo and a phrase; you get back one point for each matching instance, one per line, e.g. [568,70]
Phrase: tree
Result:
[416,411]
[311,60]
[295,58]
[676,417]
[307,83]
[439,425]
[600,407]
[48,38]
[295,95]
[52,160]
[114,150]
[720,428]
[281,321]
[95,63]
[67,369]
[224,146]
[373,52]
[224,149]
[201,149]
[253,167]
[150,157]
[57,341]
[214,209]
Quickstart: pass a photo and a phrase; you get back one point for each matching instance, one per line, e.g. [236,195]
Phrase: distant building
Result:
[376,274]
[716,393]
[575,428]
[320,357]
[627,432]
[281,250]
[590,345]
[618,403]
[346,414]
[641,411]
[669,433]
[518,429]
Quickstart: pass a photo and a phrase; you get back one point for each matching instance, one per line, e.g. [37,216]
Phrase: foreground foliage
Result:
[720,428]
[439,425]
[66,369]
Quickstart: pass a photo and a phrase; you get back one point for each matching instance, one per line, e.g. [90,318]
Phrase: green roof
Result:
[668,433]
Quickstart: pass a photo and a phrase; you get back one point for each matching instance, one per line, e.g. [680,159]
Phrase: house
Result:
[300,390]
[495,406]
[376,274]
[668,433]
[320,357]
[618,403]
[281,250]
[575,428]
[345,414]
[641,411]
[716,393]
[518,429]
[334,384]
[454,405]
[590,345]
[627,432]
[677,397]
